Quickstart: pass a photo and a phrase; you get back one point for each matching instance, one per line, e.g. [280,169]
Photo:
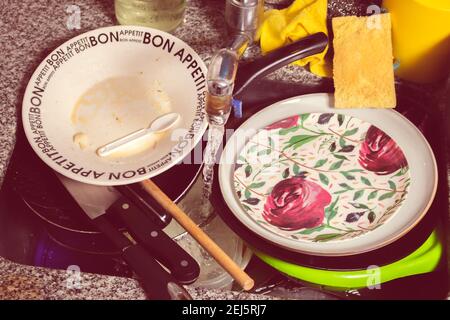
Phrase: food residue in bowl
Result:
[81,140]
[115,107]
[159,98]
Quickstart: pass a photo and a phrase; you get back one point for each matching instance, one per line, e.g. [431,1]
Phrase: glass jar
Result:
[164,15]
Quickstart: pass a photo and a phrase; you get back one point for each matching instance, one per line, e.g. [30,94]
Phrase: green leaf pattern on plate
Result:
[326,154]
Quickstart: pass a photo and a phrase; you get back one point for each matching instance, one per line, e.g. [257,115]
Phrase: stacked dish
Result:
[325,186]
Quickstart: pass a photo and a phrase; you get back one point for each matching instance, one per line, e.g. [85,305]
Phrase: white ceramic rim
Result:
[418,153]
[137,178]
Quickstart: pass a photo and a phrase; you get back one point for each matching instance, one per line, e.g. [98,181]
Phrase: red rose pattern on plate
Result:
[380,154]
[296,203]
[321,177]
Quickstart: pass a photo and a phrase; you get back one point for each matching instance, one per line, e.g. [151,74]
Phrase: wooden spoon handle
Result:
[199,235]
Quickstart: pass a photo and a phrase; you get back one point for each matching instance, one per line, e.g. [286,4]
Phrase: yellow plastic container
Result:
[421,38]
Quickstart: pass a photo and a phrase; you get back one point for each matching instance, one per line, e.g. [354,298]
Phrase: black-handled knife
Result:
[158,283]
[182,266]
[149,206]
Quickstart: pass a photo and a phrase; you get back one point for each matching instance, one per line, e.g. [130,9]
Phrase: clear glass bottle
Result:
[165,15]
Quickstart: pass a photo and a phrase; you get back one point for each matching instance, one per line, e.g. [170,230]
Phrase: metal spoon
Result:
[158,125]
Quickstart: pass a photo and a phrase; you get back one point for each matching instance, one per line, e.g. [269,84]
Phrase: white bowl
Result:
[107,83]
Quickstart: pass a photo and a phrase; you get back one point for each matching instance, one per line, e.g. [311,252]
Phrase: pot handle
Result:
[258,68]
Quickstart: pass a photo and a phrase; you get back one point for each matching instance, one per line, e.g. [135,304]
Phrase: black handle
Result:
[278,58]
[182,266]
[157,282]
[147,204]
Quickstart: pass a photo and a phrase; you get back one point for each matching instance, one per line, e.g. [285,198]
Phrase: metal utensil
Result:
[147,205]
[96,200]
[181,265]
[241,277]
[158,283]
[158,125]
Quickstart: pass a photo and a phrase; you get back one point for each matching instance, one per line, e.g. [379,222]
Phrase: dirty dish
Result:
[104,84]
[321,181]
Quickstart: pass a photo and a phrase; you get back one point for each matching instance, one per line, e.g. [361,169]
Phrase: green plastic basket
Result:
[423,260]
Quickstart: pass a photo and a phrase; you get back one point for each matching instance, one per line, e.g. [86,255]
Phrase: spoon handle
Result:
[112,146]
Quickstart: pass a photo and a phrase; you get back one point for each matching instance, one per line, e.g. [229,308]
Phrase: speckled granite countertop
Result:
[30,29]
[24,282]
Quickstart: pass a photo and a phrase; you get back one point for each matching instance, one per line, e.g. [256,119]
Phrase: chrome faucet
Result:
[242,18]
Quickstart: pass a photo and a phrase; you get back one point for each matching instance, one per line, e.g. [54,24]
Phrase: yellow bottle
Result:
[421,38]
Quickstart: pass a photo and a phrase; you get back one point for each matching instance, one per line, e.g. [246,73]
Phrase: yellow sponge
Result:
[362,65]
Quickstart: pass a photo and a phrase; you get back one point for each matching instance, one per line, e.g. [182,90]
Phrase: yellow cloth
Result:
[301,18]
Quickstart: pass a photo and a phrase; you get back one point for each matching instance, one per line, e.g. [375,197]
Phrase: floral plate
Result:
[321,177]
[328,181]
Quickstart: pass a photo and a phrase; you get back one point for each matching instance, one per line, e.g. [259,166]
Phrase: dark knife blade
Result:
[157,282]
[148,205]
[182,266]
